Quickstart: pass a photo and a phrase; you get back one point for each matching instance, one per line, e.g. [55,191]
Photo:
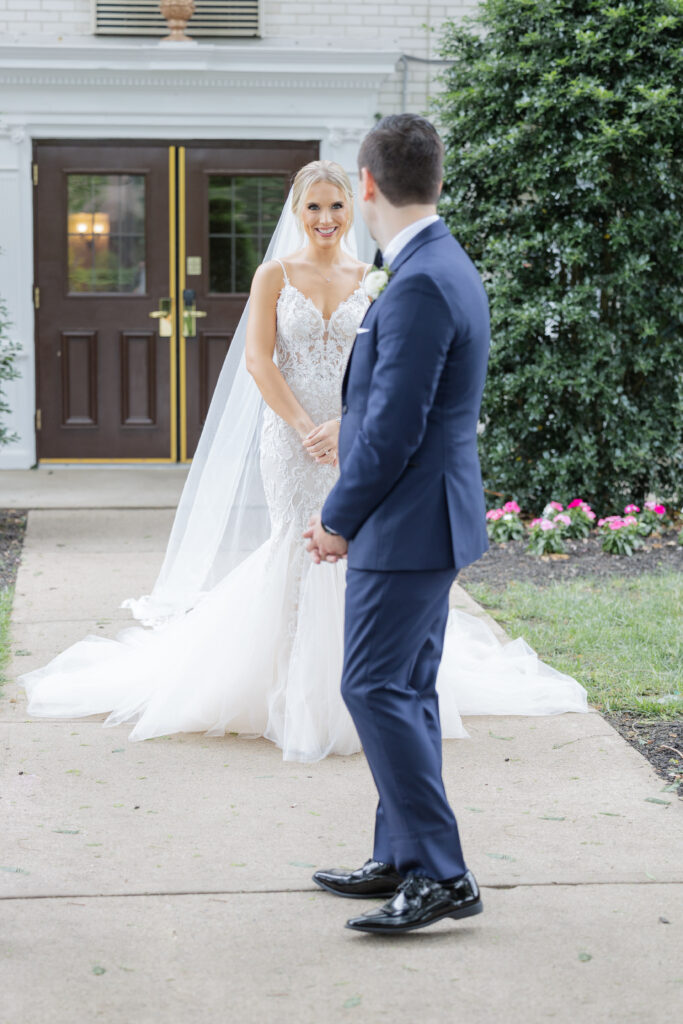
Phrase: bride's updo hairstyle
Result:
[311,174]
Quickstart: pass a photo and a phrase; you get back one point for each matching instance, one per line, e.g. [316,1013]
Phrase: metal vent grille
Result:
[142,18]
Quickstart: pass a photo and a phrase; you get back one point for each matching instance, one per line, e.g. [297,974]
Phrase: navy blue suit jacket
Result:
[410,494]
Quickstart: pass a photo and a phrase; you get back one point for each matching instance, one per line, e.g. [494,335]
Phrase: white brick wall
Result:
[392,25]
[411,28]
[45,17]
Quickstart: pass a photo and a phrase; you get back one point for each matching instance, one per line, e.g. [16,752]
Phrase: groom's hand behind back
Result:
[324,546]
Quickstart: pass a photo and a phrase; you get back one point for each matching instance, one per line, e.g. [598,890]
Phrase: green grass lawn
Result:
[621,638]
[5,611]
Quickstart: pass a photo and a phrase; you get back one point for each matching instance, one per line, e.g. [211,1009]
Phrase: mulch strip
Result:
[503,563]
[12,529]
[661,742]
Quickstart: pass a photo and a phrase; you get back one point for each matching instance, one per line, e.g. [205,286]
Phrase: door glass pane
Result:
[243,213]
[106,233]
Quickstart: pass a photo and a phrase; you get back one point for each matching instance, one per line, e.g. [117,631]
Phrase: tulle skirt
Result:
[261,655]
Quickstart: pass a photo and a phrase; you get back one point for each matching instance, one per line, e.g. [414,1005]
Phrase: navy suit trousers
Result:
[393,639]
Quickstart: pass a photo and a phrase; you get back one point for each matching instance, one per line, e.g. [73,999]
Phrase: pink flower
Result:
[590,514]
[616,524]
[576,503]
[650,505]
[659,510]
[556,505]
[511,506]
[494,513]
[563,519]
[631,508]
[547,524]
[536,522]
[630,521]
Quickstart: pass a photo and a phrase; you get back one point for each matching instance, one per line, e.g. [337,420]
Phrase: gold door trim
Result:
[173,340]
[172,262]
[182,269]
[107,462]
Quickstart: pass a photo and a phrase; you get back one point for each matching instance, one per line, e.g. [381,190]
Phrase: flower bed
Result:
[547,534]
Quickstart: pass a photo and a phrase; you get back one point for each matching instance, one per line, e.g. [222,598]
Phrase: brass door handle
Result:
[165,317]
[190,315]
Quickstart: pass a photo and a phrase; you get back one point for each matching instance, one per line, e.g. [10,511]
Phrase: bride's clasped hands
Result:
[321,443]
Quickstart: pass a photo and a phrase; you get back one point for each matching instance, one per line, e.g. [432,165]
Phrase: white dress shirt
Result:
[399,241]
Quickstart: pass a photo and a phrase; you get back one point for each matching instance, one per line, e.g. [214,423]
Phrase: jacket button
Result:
[345,408]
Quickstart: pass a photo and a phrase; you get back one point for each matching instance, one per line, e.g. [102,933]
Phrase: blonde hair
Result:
[321,170]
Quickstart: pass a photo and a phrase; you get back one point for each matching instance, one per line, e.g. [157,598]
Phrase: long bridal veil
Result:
[222,514]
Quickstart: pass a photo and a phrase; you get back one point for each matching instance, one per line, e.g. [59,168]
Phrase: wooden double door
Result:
[144,258]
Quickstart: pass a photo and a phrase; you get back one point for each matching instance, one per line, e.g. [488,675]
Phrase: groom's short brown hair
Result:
[404,154]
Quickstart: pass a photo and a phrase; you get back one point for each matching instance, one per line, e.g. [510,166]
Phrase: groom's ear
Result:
[368,185]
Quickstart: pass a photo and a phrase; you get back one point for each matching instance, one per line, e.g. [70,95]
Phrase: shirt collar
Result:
[399,241]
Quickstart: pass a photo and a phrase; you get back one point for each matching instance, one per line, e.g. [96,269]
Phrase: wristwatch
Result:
[329,530]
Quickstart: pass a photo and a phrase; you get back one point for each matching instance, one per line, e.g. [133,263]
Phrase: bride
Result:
[246,631]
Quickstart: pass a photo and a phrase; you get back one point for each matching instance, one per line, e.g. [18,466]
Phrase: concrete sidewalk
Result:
[170,880]
[126,486]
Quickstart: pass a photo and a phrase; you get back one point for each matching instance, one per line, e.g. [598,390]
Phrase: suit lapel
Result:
[429,234]
[348,363]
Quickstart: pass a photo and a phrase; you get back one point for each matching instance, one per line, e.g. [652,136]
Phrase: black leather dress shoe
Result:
[373,880]
[420,902]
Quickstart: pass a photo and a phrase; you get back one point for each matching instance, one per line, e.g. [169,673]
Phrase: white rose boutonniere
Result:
[376,281]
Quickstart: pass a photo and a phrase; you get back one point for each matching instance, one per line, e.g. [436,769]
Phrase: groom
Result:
[408,510]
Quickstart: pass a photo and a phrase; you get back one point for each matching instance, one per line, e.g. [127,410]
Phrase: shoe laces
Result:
[412,886]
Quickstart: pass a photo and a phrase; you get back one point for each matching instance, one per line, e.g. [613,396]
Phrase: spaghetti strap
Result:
[362,280]
[283,268]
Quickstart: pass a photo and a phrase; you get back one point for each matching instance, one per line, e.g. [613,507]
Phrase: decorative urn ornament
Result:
[177,14]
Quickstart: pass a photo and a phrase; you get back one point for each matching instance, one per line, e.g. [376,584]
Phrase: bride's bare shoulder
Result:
[361,269]
[269,277]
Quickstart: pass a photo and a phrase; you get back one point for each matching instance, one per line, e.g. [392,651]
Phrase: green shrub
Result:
[563,124]
[8,371]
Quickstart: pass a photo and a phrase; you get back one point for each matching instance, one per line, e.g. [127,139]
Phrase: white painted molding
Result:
[255,80]
[344,136]
[16,132]
[266,66]
[17,456]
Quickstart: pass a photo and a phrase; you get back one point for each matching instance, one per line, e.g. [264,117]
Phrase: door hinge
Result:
[36,296]
[35,174]
[39,419]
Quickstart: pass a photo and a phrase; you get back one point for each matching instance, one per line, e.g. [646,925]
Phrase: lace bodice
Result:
[311,355]
[312,352]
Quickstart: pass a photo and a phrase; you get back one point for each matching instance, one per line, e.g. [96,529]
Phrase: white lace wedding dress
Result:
[261,653]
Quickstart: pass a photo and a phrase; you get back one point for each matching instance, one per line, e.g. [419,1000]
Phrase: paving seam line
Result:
[92,508]
[289,892]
